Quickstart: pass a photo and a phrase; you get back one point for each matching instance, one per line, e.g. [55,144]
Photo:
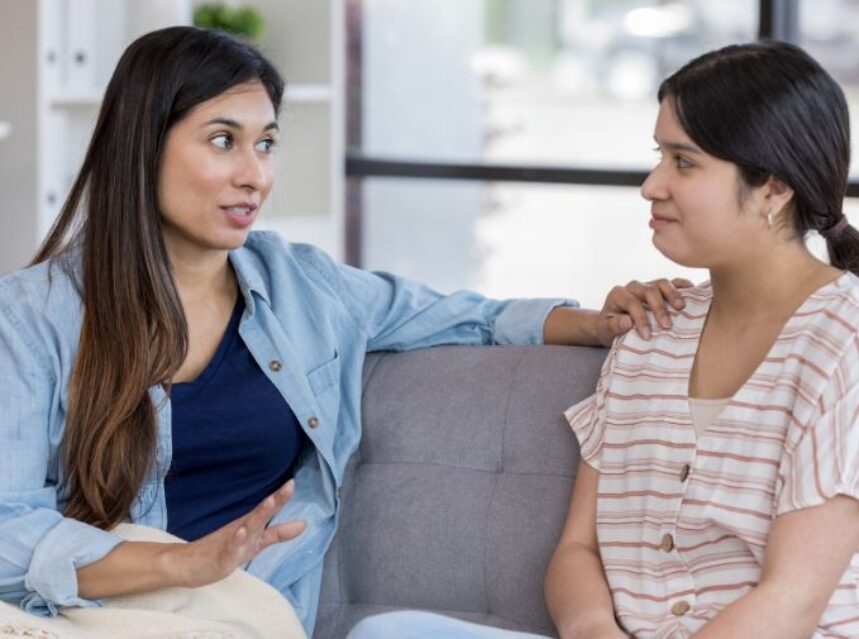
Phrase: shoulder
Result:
[41,305]
[667,344]
[837,304]
[271,248]
[829,323]
[51,285]
[270,261]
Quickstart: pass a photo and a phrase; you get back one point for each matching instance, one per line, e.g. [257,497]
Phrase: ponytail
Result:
[842,242]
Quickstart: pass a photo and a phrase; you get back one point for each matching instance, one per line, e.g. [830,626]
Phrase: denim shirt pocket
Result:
[325,376]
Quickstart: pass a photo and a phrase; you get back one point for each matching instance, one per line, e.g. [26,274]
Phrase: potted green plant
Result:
[244,21]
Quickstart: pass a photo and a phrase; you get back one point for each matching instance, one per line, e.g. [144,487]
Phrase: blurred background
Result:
[495,145]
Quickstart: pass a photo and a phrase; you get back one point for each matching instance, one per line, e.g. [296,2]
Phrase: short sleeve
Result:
[587,418]
[821,458]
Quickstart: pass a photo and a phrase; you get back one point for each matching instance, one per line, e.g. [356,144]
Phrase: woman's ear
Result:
[778,196]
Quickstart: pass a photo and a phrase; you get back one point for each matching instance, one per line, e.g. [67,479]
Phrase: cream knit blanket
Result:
[238,607]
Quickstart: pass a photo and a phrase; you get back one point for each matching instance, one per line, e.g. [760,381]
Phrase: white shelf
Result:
[60,61]
[84,98]
[307,93]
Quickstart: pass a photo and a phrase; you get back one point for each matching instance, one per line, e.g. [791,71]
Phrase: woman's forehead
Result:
[248,104]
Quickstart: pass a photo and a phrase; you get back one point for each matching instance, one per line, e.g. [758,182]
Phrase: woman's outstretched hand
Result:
[626,307]
[218,554]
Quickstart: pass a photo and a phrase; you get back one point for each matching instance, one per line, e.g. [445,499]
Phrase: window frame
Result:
[777,20]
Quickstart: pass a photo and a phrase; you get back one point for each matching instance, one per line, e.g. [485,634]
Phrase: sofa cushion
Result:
[457,494]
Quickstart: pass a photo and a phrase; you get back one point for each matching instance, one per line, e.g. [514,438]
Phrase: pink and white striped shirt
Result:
[683,520]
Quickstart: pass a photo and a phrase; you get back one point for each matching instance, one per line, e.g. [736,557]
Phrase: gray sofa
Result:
[458,492]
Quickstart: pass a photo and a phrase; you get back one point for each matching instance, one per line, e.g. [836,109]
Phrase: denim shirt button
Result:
[274,366]
[313,422]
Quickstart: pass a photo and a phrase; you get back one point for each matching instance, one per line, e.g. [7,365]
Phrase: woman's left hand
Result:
[626,307]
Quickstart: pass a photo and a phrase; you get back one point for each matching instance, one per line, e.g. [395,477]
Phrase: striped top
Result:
[682,519]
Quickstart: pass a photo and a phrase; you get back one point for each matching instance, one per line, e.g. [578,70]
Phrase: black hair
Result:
[772,110]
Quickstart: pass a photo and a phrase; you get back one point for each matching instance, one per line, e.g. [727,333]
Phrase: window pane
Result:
[547,82]
[829,30]
[509,240]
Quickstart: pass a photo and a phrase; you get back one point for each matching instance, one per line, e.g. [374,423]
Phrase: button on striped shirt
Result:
[683,519]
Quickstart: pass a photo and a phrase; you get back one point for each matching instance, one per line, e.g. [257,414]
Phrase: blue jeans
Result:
[408,624]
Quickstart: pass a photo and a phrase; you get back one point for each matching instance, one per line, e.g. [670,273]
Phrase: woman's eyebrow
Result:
[235,124]
[678,146]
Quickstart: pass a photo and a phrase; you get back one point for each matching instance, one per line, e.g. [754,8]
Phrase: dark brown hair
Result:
[134,333]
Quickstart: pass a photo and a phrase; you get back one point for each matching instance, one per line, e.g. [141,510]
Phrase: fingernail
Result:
[679,303]
[665,322]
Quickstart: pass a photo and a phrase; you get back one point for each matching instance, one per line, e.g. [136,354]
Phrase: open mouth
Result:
[240,215]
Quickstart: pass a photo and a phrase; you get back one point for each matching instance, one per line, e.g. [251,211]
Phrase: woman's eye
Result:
[223,141]
[682,163]
[267,145]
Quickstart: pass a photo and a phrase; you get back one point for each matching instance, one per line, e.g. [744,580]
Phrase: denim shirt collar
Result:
[249,276]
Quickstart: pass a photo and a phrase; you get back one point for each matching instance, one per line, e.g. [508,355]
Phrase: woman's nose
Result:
[252,171]
[653,187]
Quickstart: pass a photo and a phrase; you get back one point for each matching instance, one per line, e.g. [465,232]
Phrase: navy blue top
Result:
[235,440]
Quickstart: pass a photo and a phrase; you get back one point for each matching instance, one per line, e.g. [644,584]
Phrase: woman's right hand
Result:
[218,554]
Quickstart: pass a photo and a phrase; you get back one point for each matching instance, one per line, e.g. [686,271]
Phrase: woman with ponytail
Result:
[717,494]
[161,364]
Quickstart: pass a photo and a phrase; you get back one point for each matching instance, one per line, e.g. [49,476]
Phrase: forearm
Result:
[578,596]
[567,325]
[131,567]
[796,617]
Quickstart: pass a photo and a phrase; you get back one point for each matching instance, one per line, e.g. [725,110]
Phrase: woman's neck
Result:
[771,283]
[202,275]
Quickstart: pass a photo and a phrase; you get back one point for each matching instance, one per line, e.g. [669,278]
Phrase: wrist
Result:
[167,565]
[591,321]
[572,326]
[592,629]
[588,325]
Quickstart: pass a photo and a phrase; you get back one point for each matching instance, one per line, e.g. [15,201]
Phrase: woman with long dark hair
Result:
[161,364]
[717,497]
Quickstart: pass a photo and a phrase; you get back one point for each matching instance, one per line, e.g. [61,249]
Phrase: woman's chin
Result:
[681,255]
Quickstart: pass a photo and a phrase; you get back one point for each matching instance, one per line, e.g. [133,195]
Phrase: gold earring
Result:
[770,219]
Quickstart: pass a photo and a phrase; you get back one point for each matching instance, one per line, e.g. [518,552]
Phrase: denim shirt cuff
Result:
[522,321]
[52,576]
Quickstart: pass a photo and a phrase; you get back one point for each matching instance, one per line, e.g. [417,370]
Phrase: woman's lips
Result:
[658,222]
[240,215]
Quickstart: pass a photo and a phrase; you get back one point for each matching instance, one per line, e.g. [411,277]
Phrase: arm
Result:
[40,550]
[399,314]
[577,593]
[807,553]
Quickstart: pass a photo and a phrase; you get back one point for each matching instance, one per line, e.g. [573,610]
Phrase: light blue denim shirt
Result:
[308,323]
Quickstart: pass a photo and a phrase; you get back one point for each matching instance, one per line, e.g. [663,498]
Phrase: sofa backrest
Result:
[457,494]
